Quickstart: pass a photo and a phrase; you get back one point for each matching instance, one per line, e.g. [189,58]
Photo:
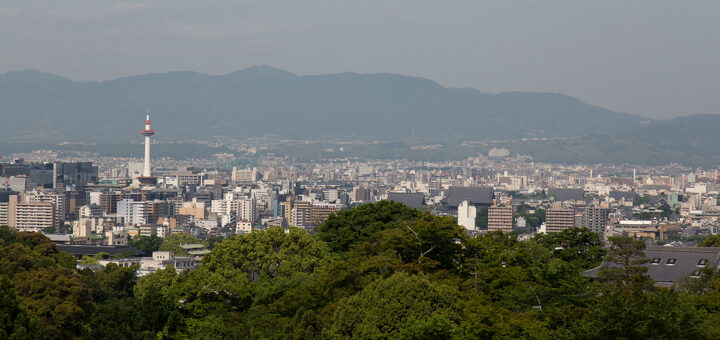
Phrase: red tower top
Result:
[147,132]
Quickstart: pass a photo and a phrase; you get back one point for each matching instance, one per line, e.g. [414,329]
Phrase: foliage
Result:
[401,306]
[95,258]
[375,271]
[533,216]
[15,323]
[626,256]
[577,246]
[355,225]
[710,241]
[174,241]
[481,218]
[148,244]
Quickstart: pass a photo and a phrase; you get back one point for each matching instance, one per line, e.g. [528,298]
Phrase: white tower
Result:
[147,176]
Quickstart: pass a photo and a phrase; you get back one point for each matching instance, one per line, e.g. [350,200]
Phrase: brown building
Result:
[500,218]
[558,219]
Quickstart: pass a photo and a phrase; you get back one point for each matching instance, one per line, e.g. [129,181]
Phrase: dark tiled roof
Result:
[657,200]
[90,250]
[685,263]
[474,195]
[412,200]
[563,194]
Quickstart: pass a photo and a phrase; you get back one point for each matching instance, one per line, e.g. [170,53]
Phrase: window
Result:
[702,262]
[671,261]
[695,273]
[656,260]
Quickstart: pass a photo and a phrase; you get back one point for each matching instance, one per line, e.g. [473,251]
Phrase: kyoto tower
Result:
[147,177]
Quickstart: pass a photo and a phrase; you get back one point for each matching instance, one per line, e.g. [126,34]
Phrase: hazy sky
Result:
[656,58]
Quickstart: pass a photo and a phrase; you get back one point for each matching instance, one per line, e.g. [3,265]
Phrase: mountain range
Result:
[263,101]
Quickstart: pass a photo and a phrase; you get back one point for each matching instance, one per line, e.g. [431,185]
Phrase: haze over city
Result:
[652,58]
[179,169]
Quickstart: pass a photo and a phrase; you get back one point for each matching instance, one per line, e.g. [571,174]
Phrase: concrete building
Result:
[306,214]
[244,175]
[559,219]
[500,218]
[159,260]
[466,216]
[54,198]
[25,216]
[243,227]
[194,208]
[595,219]
[133,213]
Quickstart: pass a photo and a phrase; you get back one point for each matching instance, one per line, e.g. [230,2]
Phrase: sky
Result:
[656,58]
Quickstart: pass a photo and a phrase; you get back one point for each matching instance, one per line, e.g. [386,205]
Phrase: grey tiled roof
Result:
[686,262]
[90,250]
[412,200]
[563,194]
[474,195]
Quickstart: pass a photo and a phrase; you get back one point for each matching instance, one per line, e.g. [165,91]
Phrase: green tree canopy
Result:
[173,241]
[355,225]
[401,306]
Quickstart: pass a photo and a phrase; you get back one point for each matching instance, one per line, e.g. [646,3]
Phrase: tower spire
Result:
[146,177]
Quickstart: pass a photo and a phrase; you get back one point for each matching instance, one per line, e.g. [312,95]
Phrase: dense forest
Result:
[380,271]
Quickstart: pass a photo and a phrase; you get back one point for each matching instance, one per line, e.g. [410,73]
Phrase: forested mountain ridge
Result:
[264,101]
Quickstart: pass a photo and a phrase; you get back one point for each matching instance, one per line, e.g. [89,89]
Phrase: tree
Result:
[428,241]
[358,224]
[174,241]
[627,256]
[481,218]
[578,246]
[148,244]
[710,241]
[401,306]
[95,259]
[58,297]
[270,253]
[15,322]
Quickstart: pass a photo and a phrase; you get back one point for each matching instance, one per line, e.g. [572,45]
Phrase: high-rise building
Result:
[133,212]
[306,214]
[25,216]
[466,215]
[54,198]
[595,219]
[76,174]
[558,219]
[500,218]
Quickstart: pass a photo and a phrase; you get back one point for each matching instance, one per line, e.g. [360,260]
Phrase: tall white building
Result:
[466,215]
[132,212]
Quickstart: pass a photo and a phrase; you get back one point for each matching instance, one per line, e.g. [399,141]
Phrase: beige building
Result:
[500,218]
[559,219]
[25,216]
[194,208]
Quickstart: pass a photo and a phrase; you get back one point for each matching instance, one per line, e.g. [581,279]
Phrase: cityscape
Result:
[265,204]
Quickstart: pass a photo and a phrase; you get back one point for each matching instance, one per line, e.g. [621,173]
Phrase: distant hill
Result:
[692,140]
[264,101]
